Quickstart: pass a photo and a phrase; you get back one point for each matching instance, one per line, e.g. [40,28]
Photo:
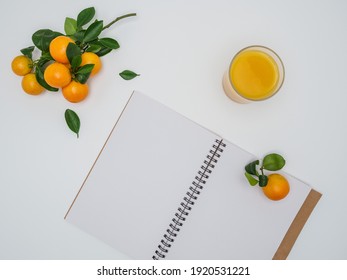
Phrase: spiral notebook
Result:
[164,187]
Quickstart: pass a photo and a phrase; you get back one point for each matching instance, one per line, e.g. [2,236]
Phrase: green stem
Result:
[262,170]
[118,19]
[84,47]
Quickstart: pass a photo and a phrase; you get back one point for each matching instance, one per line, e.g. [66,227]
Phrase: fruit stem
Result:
[84,47]
[118,19]
[262,170]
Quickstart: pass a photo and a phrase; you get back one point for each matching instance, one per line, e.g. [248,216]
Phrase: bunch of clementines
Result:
[67,60]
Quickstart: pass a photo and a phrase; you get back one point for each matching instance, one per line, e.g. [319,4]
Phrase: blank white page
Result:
[233,220]
[140,177]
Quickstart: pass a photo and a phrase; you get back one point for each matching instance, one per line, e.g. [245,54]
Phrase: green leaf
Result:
[93,31]
[72,51]
[252,181]
[78,36]
[273,162]
[28,51]
[37,37]
[103,51]
[40,79]
[251,168]
[70,26]
[83,73]
[43,37]
[98,48]
[45,57]
[85,69]
[109,43]
[128,75]
[72,121]
[82,78]
[93,48]
[76,61]
[263,180]
[85,16]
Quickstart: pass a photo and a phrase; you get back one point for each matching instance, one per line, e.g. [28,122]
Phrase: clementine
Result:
[57,75]
[277,187]
[30,84]
[21,65]
[92,58]
[75,91]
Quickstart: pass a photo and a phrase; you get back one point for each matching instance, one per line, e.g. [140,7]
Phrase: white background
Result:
[181,49]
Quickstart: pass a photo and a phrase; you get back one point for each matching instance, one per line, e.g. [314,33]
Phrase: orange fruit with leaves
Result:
[57,48]
[92,58]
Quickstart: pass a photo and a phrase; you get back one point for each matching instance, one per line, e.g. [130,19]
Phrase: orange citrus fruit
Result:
[57,48]
[30,84]
[21,65]
[277,187]
[75,91]
[57,75]
[92,58]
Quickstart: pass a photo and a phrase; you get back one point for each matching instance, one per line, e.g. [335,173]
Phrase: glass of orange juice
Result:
[255,73]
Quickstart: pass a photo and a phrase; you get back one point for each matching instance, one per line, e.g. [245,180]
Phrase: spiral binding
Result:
[189,199]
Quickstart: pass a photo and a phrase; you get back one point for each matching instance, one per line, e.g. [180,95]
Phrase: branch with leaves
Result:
[255,173]
[82,38]
[86,39]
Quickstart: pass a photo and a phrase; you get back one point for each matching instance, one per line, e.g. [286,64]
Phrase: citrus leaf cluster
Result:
[80,73]
[255,173]
[87,38]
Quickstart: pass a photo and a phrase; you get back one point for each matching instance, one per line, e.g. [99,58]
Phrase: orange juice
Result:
[255,73]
